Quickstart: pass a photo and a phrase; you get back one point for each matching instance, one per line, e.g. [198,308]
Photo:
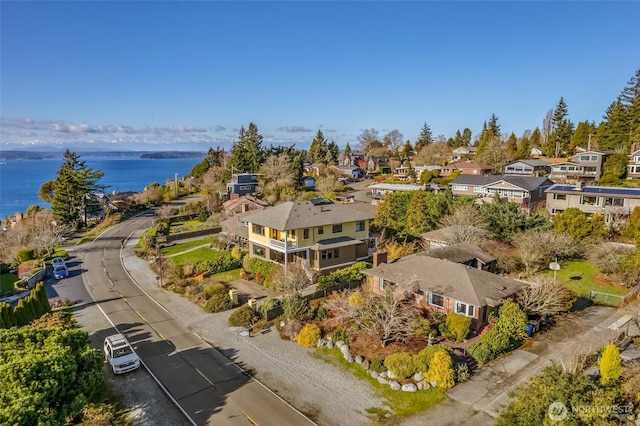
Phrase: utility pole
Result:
[176,180]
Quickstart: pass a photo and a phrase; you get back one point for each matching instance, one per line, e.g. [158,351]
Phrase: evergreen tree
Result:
[610,365]
[347,149]
[418,220]
[407,149]
[536,138]
[630,97]
[490,132]
[73,192]
[298,169]
[214,158]
[466,137]
[493,126]
[616,128]
[581,136]
[425,138]
[318,149]
[559,140]
[524,147]
[333,151]
[247,154]
[512,146]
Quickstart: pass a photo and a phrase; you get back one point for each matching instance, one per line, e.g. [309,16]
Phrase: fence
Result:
[276,311]
[599,298]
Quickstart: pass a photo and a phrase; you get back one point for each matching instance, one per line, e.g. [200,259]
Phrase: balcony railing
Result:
[280,244]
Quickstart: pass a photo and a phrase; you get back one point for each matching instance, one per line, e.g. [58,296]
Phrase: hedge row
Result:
[217,265]
[28,309]
[343,275]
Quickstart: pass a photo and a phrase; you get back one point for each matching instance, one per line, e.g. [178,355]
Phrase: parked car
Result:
[57,261]
[60,272]
[120,355]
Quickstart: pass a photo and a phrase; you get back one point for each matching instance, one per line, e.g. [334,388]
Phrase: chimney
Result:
[379,257]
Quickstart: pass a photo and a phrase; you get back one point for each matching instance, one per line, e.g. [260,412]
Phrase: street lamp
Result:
[159,258]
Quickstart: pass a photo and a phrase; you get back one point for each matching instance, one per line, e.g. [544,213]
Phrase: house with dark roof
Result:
[321,237]
[527,192]
[614,203]
[443,286]
[465,253]
[242,184]
[528,167]
[243,204]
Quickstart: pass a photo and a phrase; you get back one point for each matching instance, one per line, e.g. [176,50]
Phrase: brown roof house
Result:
[443,286]
[465,253]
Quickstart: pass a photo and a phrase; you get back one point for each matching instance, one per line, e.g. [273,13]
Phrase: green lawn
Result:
[195,256]
[6,282]
[402,404]
[578,275]
[228,276]
[178,248]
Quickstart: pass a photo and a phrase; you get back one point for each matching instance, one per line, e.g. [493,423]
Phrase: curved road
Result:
[208,387]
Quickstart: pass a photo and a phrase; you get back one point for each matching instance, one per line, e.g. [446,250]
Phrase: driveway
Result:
[478,400]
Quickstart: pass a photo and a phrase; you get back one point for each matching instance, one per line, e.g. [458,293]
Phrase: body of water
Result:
[20,180]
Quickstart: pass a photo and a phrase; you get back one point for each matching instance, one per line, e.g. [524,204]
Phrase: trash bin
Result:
[529,329]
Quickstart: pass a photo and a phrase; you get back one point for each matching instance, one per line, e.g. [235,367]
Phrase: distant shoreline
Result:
[10,155]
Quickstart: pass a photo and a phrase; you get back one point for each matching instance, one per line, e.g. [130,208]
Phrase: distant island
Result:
[41,155]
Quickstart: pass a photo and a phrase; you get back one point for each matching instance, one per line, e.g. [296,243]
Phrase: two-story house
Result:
[527,192]
[584,166]
[352,158]
[528,167]
[633,169]
[462,152]
[402,171]
[472,168]
[323,237]
[242,184]
[614,203]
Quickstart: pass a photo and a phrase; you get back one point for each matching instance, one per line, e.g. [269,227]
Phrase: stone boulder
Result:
[409,387]
[423,385]
[359,359]
[391,374]
[395,385]
[340,343]
[344,349]
[348,357]
[366,364]
[382,381]
[330,344]
[384,374]
[320,343]
[418,377]
[374,374]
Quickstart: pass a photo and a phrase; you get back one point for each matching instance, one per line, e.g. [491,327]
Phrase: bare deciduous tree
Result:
[292,279]
[328,183]
[278,168]
[538,248]
[465,224]
[434,154]
[608,256]
[393,140]
[46,235]
[545,298]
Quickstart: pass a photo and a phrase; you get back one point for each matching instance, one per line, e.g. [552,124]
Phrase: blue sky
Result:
[189,74]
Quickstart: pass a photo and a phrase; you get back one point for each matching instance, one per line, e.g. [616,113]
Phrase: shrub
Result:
[309,335]
[429,352]
[238,254]
[264,267]
[24,255]
[242,317]
[421,327]
[439,317]
[610,369]
[441,371]
[356,300]
[296,307]
[462,372]
[216,288]
[458,325]
[377,365]
[481,352]
[444,330]
[340,334]
[290,330]
[321,313]
[217,303]
[218,264]
[58,319]
[262,324]
[512,320]
[400,364]
[497,341]
[351,273]
[268,305]
[98,414]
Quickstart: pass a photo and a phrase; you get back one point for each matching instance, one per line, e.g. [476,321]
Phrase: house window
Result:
[636,159]
[465,309]
[479,189]
[459,187]
[436,300]
[559,196]
[617,202]
[588,201]
[337,228]
[360,226]
[329,254]
[320,230]
[258,251]
[292,233]
[594,158]
[305,233]
[257,229]
[584,158]
[381,284]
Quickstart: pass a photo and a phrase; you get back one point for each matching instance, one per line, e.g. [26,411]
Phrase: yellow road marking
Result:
[206,378]
[161,336]
[250,419]
[110,282]
[139,314]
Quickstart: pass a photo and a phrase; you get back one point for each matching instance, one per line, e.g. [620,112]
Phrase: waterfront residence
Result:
[584,166]
[529,167]
[527,192]
[322,237]
[440,285]
[614,203]
[242,184]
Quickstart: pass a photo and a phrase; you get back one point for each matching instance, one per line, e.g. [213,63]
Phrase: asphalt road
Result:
[208,387]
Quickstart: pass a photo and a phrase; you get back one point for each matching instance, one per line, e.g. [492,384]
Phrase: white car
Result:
[57,261]
[120,355]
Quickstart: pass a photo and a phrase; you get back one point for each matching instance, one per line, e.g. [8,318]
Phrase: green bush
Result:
[24,255]
[340,334]
[421,327]
[218,264]
[238,254]
[296,307]
[321,313]
[400,364]
[268,305]
[441,371]
[439,317]
[261,269]
[309,335]
[497,341]
[377,365]
[242,317]
[216,288]
[458,325]
[481,352]
[462,372]
[351,273]
[429,351]
[217,303]
[444,330]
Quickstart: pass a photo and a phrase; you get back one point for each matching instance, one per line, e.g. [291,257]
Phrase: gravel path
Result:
[325,393]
